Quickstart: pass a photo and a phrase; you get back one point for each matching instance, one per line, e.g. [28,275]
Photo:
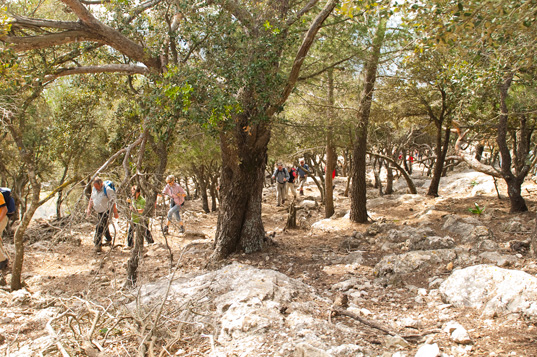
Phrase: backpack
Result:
[10,202]
[110,185]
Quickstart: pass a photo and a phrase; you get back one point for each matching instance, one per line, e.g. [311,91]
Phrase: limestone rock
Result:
[498,259]
[514,226]
[308,204]
[395,341]
[428,350]
[345,350]
[478,234]
[457,333]
[257,311]
[492,290]
[20,297]
[461,226]
[404,233]
[307,350]
[413,261]
[430,243]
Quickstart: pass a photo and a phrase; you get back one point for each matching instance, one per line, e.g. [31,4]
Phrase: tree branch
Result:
[137,11]
[325,69]
[27,22]
[59,188]
[236,10]
[470,159]
[113,37]
[306,8]
[28,43]
[111,68]
[301,54]
[94,2]
[408,179]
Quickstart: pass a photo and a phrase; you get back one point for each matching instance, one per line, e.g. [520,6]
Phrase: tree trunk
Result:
[408,179]
[389,179]
[244,157]
[202,179]
[405,163]
[291,218]
[185,186]
[315,169]
[513,183]
[214,192]
[479,151]
[137,252]
[440,152]
[376,173]
[60,194]
[358,191]
[330,151]
[514,190]
[16,282]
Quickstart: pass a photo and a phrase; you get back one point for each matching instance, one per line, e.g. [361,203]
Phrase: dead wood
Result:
[334,311]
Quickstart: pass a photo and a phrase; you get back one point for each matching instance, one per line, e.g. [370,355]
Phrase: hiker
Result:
[290,186]
[302,176]
[103,200]
[177,194]
[137,206]
[281,176]
[3,224]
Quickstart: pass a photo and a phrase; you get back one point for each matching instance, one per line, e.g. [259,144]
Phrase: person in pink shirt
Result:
[177,194]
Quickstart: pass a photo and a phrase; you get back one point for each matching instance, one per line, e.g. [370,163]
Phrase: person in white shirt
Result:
[103,200]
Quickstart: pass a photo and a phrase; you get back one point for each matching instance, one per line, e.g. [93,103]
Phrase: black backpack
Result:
[10,202]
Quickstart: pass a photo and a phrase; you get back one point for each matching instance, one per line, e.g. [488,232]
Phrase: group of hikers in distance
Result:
[103,200]
[286,181]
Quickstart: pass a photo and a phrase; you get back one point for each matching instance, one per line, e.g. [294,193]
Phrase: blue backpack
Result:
[110,185]
[10,202]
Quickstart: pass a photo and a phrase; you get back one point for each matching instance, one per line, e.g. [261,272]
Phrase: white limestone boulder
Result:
[492,290]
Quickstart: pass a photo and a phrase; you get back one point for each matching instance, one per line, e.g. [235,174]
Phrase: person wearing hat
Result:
[281,176]
[302,175]
[177,194]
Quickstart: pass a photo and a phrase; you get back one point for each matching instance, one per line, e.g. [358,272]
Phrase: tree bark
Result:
[244,157]
[359,191]
[202,174]
[513,182]
[479,151]
[60,193]
[389,179]
[330,151]
[440,152]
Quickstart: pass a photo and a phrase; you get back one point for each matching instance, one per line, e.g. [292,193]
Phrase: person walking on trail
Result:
[137,206]
[302,175]
[3,224]
[177,194]
[281,176]
[103,200]
[291,182]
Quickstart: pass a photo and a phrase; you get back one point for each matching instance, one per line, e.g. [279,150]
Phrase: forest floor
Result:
[63,271]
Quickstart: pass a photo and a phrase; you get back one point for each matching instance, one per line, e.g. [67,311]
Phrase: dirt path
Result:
[67,270]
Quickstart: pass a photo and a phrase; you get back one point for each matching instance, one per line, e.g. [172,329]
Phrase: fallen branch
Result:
[54,335]
[359,319]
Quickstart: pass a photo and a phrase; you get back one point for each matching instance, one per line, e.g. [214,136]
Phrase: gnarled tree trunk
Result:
[244,157]
[440,152]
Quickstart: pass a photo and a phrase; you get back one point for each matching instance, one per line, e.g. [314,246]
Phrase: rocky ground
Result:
[427,278]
